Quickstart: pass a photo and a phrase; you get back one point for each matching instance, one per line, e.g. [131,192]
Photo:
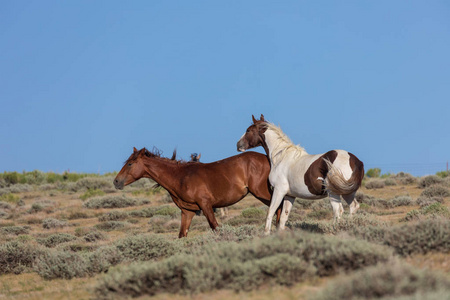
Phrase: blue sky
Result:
[82,82]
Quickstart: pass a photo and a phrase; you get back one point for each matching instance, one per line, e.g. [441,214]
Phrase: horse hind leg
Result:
[336,204]
[351,201]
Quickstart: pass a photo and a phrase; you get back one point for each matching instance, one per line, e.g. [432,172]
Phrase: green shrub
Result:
[435,209]
[113,202]
[430,180]
[35,207]
[254,212]
[10,198]
[435,191]
[168,210]
[386,281]
[284,259]
[323,214]
[92,193]
[373,173]
[443,174]
[56,239]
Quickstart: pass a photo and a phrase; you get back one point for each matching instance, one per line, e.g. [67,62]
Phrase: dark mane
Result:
[154,153]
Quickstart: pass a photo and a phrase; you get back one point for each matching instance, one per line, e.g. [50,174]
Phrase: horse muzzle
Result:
[118,184]
[240,146]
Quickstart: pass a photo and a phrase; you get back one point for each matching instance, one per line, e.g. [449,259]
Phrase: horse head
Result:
[195,157]
[254,136]
[133,169]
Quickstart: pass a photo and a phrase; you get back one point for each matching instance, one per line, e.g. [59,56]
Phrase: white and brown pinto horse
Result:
[295,173]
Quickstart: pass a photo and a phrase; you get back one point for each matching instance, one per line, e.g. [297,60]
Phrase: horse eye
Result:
[248,130]
[129,164]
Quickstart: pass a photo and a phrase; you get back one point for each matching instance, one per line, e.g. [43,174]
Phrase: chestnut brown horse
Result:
[195,185]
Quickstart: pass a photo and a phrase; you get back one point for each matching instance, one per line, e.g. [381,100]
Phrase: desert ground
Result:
[73,236]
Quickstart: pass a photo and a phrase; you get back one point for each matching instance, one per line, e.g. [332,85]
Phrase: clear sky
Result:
[83,82]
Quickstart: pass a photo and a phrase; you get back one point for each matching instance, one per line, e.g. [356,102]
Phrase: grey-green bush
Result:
[50,223]
[435,191]
[386,281]
[284,259]
[15,230]
[113,216]
[113,202]
[110,225]
[17,257]
[56,239]
[147,247]
[429,235]
[430,180]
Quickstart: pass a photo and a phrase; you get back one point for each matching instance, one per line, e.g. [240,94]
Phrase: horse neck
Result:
[162,171]
[277,145]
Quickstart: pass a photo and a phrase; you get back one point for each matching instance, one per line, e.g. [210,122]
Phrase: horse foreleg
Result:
[277,197]
[207,209]
[186,218]
[287,206]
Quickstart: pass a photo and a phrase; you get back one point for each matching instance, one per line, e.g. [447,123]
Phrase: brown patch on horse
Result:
[357,167]
[318,169]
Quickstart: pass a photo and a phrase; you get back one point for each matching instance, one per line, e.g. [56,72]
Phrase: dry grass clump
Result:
[388,281]
[113,202]
[284,259]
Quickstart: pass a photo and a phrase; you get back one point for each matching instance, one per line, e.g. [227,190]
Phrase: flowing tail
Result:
[336,183]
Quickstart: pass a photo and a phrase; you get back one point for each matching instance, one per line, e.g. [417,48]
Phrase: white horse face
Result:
[254,135]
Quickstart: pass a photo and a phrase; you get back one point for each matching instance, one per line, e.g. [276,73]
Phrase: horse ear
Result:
[135,150]
[253,118]
[262,118]
[198,157]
